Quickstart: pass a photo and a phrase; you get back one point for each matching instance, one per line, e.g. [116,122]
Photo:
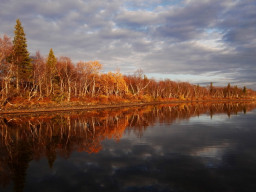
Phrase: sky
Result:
[197,41]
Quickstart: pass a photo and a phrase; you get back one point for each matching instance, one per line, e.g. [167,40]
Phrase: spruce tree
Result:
[51,71]
[51,63]
[21,57]
[244,90]
[211,89]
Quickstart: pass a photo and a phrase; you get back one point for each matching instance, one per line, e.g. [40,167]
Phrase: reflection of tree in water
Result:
[144,117]
[25,138]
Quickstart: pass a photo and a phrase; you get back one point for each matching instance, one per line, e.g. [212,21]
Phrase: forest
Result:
[49,80]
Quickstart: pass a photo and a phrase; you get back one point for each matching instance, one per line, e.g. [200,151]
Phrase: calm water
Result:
[201,147]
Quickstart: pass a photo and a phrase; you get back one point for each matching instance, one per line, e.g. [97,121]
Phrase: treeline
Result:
[59,79]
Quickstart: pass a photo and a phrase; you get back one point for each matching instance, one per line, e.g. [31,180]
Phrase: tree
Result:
[244,90]
[20,56]
[51,71]
[66,73]
[39,77]
[93,68]
[6,66]
[228,90]
[211,89]
[51,62]
[5,49]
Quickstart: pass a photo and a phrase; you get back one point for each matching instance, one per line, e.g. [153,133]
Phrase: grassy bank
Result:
[45,105]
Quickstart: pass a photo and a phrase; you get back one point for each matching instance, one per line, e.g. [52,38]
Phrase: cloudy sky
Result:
[199,41]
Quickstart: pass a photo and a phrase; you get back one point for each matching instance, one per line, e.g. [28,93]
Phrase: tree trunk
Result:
[17,81]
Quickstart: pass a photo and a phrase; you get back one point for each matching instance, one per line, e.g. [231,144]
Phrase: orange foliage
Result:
[84,84]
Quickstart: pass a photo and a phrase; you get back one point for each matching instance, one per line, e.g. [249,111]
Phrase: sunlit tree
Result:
[51,71]
[20,56]
[6,66]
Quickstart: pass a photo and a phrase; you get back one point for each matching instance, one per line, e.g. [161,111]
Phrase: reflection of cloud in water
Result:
[212,156]
[215,152]
[206,119]
[155,152]
[216,117]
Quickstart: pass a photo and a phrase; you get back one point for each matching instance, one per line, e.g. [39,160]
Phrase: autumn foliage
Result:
[39,81]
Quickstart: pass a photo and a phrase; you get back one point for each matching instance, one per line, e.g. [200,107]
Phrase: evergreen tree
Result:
[244,90]
[211,89]
[21,56]
[51,71]
[51,63]
[228,90]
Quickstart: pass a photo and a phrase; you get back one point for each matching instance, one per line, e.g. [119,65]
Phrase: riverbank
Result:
[90,106]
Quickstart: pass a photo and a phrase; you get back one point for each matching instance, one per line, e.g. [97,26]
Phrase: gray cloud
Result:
[240,25]
[188,37]
[188,22]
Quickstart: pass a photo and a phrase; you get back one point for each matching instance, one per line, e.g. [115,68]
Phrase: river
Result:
[172,147]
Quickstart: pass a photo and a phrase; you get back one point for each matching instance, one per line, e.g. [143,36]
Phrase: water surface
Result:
[194,147]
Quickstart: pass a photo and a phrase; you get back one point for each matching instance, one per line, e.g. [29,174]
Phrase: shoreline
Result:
[117,105]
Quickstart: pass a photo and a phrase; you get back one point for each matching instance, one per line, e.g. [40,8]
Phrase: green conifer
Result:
[51,72]
[244,90]
[51,63]
[21,56]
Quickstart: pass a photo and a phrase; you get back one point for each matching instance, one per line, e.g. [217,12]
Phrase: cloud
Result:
[190,21]
[240,24]
[189,37]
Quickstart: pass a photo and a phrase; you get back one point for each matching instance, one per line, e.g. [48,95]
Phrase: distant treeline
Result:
[24,77]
